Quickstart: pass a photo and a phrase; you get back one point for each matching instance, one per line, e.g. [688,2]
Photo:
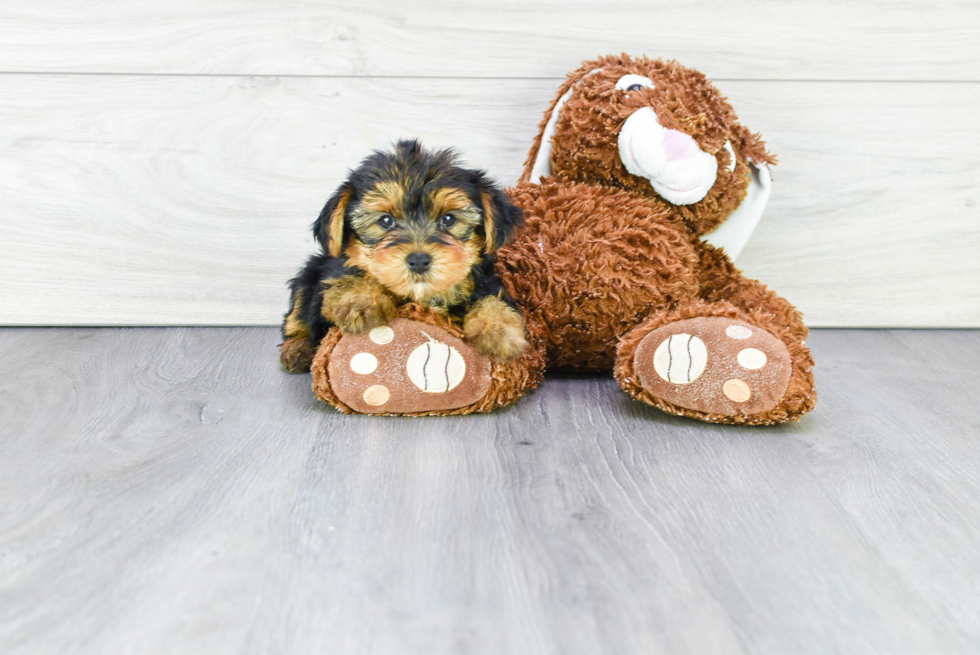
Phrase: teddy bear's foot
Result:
[418,365]
[407,367]
[718,367]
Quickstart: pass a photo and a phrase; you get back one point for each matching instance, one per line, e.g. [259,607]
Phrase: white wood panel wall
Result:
[160,163]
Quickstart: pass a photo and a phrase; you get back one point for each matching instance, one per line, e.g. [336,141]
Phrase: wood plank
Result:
[910,440]
[875,213]
[754,39]
[186,200]
[172,491]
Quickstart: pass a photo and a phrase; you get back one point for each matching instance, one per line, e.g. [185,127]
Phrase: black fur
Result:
[419,171]
[309,281]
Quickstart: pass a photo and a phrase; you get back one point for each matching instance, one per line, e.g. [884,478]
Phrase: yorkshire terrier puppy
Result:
[407,226]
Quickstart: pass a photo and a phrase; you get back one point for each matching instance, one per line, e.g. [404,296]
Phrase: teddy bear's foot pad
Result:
[407,367]
[714,365]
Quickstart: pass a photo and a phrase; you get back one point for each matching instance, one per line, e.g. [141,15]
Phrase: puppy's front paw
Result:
[362,313]
[296,354]
[495,329]
[357,304]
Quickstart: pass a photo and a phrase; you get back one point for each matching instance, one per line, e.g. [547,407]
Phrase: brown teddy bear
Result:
[635,164]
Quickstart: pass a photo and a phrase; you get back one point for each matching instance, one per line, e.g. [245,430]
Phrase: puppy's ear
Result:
[328,229]
[500,216]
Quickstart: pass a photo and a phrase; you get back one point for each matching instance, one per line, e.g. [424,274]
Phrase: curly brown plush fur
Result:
[603,259]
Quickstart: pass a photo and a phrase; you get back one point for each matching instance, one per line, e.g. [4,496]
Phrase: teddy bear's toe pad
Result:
[407,367]
[714,365]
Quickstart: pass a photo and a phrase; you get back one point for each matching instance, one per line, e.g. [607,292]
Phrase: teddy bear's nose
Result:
[419,262]
[679,145]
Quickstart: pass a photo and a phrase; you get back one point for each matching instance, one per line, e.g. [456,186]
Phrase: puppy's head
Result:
[415,220]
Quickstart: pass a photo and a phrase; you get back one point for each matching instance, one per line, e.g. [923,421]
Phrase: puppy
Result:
[407,226]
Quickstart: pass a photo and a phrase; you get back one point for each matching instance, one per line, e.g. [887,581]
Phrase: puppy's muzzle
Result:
[419,262]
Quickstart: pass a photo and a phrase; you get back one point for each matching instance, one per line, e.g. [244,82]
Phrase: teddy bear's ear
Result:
[500,216]
[735,230]
[538,163]
[752,147]
[329,228]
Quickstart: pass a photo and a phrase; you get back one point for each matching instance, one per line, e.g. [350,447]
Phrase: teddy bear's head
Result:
[650,127]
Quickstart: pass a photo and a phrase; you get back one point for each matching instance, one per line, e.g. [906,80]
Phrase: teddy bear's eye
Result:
[447,221]
[634,83]
[386,222]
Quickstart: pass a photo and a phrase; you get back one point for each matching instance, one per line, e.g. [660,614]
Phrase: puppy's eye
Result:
[386,222]
[634,87]
[447,221]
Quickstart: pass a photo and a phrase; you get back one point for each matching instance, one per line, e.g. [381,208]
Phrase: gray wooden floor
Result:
[171,491]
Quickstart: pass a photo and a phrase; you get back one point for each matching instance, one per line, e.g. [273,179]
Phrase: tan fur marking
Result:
[296,354]
[337,225]
[358,254]
[356,304]
[385,198]
[294,325]
[495,329]
[447,199]
[451,264]
[488,221]
[455,295]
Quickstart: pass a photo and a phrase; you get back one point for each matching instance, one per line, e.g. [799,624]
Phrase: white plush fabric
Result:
[542,163]
[731,152]
[645,149]
[734,233]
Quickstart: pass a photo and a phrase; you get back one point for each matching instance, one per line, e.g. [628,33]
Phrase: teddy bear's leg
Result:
[419,365]
[722,281]
[715,362]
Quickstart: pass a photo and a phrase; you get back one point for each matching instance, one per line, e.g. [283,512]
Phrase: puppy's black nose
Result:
[419,262]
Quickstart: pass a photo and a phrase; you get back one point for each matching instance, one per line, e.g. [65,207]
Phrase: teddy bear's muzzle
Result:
[671,160]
